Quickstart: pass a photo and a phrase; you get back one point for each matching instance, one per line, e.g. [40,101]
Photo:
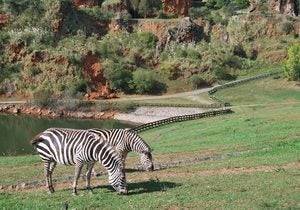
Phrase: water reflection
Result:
[17,131]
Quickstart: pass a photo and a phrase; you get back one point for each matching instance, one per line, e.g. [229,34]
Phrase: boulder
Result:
[186,32]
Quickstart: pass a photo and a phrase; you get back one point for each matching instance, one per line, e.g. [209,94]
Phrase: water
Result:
[17,131]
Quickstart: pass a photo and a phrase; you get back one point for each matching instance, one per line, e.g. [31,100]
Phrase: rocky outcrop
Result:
[4,19]
[176,7]
[93,70]
[187,31]
[287,7]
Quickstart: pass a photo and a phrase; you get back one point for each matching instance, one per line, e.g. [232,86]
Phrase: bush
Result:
[145,8]
[197,81]
[292,65]
[43,97]
[221,74]
[171,70]
[146,39]
[145,81]
[287,27]
[117,75]
[218,4]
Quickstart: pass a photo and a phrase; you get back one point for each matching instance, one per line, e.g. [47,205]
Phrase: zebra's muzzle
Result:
[123,192]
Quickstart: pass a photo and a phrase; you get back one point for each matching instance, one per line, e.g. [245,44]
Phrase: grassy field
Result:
[262,92]
[257,164]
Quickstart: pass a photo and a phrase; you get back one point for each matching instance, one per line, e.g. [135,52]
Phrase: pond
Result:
[17,131]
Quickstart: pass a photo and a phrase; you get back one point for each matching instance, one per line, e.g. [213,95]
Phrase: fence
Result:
[220,104]
[181,118]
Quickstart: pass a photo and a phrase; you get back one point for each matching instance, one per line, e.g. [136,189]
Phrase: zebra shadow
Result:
[146,187]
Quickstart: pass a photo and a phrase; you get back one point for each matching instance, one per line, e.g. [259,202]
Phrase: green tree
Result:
[145,81]
[292,65]
[117,75]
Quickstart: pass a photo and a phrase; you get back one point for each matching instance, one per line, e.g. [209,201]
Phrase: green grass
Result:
[239,191]
[259,168]
[261,92]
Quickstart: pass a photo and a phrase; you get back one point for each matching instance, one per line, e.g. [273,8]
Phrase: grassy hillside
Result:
[58,49]
[256,163]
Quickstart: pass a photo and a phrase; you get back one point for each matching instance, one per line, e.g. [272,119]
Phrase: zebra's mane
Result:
[140,139]
[36,139]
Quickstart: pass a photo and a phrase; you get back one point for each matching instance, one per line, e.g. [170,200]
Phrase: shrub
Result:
[197,81]
[221,74]
[117,75]
[287,27]
[145,81]
[43,97]
[145,8]
[196,12]
[292,65]
[146,39]
[171,70]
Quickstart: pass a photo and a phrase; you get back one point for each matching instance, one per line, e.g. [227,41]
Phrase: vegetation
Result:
[292,65]
[261,92]
[45,45]
[145,81]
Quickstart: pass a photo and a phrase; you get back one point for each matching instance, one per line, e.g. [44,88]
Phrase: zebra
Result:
[124,141]
[77,147]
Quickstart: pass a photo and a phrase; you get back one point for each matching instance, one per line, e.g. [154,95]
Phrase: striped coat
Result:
[78,147]
[125,141]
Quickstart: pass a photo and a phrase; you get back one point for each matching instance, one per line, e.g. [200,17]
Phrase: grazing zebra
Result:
[124,141]
[77,147]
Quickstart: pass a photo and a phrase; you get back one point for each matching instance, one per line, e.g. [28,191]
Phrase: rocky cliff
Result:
[176,7]
[287,7]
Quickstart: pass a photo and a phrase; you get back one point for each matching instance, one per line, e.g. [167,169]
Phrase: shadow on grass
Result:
[145,187]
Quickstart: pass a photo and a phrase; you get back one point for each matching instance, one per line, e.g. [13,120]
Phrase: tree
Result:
[145,81]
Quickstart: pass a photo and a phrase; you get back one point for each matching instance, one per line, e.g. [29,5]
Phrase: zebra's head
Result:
[137,144]
[118,181]
[146,161]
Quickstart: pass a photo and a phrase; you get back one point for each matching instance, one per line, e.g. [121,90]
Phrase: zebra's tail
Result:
[36,139]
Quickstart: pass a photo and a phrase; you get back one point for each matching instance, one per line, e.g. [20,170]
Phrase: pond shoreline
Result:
[53,113]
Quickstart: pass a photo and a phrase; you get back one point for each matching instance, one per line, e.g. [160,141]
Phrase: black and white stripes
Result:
[124,141]
[78,147]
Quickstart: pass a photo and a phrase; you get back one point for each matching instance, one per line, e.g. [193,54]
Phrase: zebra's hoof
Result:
[74,193]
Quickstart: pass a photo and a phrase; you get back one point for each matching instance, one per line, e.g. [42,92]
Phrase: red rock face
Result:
[287,7]
[3,20]
[85,3]
[93,69]
[176,7]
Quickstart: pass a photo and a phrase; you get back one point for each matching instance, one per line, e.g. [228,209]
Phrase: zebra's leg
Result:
[78,168]
[51,169]
[124,155]
[47,175]
[88,176]
[93,172]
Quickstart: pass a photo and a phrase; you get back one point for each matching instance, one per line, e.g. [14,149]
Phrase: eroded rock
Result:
[287,7]
[176,7]
[186,32]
